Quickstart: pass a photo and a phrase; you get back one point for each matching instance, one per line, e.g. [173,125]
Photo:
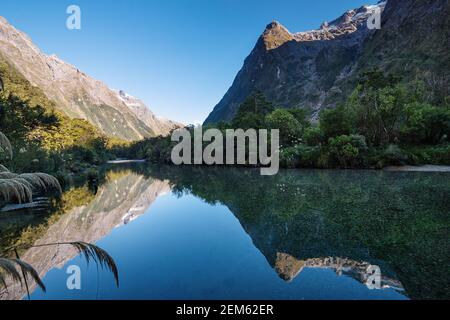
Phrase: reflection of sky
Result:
[186,249]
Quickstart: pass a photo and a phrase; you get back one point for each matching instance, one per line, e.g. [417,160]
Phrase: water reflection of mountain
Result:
[398,221]
[339,220]
[288,268]
[124,197]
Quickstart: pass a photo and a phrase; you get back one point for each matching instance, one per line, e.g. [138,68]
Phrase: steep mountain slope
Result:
[75,93]
[414,41]
[317,69]
[298,70]
[160,126]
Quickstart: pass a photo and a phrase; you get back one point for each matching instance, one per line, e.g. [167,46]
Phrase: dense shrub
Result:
[425,123]
[437,155]
[301,115]
[347,151]
[313,136]
[334,122]
[289,158]
[384,122]
[393,155]
[300,156]
[309,155]
[290,128]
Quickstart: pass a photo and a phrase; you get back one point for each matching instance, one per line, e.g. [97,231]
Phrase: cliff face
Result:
[75,93]
[414,42]
[158,125]
[317,69]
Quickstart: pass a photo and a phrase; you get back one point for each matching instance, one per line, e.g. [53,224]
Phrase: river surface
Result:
[224,233]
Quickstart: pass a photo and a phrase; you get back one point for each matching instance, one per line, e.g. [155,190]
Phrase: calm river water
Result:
[222,233]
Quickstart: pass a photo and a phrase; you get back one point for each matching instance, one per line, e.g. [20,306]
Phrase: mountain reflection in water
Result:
[124,197]
[304,223]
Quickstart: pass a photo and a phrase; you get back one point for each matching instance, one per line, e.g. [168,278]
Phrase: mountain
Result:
[414,42]
[75,93]
[319,68]
[159,126]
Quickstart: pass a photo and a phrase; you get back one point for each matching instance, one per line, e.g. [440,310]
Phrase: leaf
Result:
[7,175]
[5,145]
[17,189]
[42,181]
[91,253]
[9,268]
[99,255]
[20,187]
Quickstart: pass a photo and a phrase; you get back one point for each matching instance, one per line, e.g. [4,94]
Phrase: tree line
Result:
[384,122]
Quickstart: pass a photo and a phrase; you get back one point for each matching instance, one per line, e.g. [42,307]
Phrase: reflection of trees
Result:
[87,221]
[297,219]
[399,218]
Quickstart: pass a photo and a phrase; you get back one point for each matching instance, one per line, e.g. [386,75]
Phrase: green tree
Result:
[313,136]
[290,128]
[348,150]
[252,112]
[425,123]
[375,109]
[301,115]
[334,122]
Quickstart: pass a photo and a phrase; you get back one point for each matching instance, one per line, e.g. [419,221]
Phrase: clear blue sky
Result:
[179,56]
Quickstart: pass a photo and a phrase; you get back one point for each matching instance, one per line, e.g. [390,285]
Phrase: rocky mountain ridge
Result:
[318,69]
[160,126]
[77,94]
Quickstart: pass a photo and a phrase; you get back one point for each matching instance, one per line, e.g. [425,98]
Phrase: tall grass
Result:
[21,187]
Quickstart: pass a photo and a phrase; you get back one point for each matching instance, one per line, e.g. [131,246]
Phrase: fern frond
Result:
[42,181]
[3,168]
[5,145]
[91,252]
[7,175]
[99,256]
[9,268]
[20,187]
[17,189]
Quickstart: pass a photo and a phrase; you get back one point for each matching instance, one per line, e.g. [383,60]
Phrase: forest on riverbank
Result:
[43,139]
[384,122]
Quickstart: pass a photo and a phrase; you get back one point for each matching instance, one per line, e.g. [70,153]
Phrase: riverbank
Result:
[405,168]
[425,168]
[123,161]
